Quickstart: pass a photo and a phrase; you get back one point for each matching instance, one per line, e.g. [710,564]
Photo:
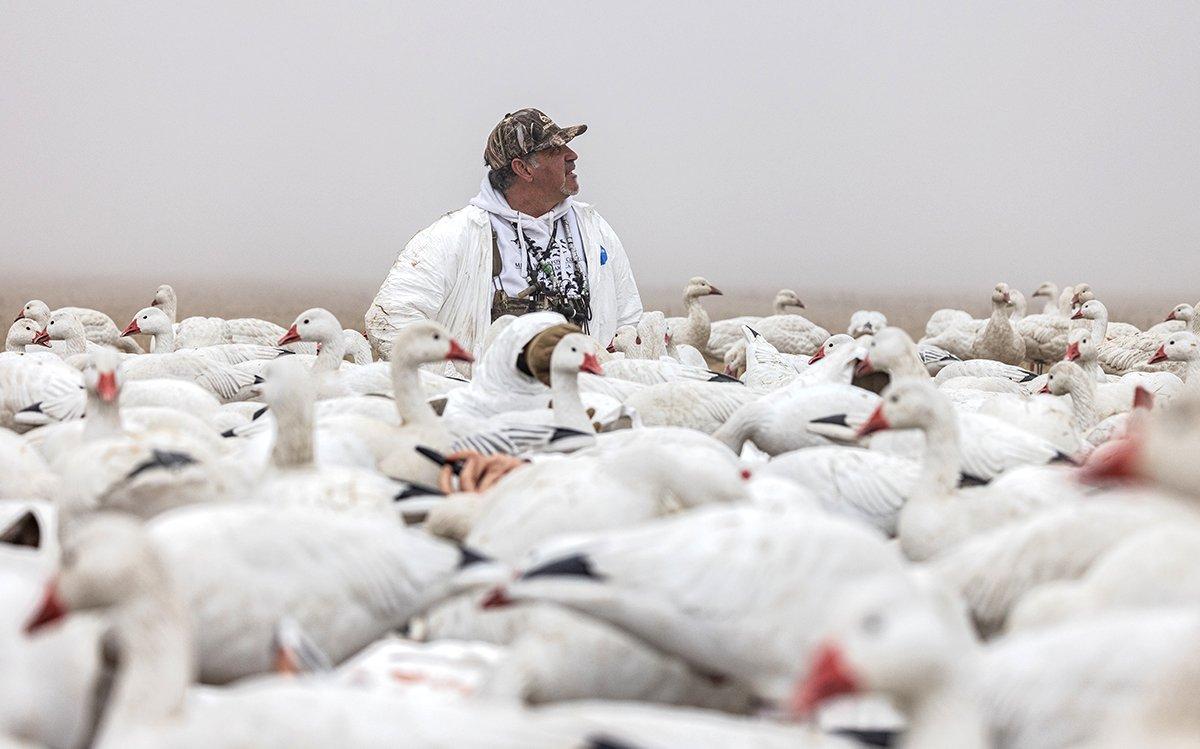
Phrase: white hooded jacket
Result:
[445,272]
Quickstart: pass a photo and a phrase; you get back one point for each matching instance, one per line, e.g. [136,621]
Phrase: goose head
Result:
[21,334]
[786,298]
[1017,303]
[316,324]
[866,322]
[1001,296]
[831,344]
[36,310]
[1178,347]
[908,404]
[427,342]
[102,375]
[572,355]
[886,638]
[699,286]
[1160,449]
[163,296]
[624,340]
[107,562]
[887,350]
[286,381]
[1080,293]
[1081,346]
[1093,309]
[1063,378]
[61,326]
[1047,290]
[148,321]
[1184,312]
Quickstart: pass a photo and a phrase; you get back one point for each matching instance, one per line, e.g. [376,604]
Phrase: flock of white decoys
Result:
[732,533]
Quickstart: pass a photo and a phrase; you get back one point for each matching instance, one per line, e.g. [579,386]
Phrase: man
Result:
[523,244]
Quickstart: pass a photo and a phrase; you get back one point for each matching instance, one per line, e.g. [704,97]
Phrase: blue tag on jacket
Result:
[603,255]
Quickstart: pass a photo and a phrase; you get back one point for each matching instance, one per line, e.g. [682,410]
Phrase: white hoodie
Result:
[444,273]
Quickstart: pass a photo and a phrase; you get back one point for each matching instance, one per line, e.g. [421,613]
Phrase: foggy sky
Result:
[887,145]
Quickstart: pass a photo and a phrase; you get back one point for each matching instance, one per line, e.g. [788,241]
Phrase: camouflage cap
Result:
[523,132]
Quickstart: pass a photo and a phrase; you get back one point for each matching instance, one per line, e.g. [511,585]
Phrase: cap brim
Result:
[568,133]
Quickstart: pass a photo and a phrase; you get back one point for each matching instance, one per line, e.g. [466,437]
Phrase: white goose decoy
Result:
[357,347]
[694,329]
[994,570]
[64,328]
[591,491]
[1083,350]
[1049,292]
[1182,347]
[418,344]
[345,578]
[226,382]
[153,322]
[197,332]
[921,654]
[113,569]
[23,472]
[1093,402]
[156,393]
[98,327]
[144,473]
[1045,334]
[936,515]
[292,478]
[791,334]
[726,333]
[996,339]
[766,367]
[757,614]
[703,406]
[866,322]
[26,379]
[21,336]
[1179,319]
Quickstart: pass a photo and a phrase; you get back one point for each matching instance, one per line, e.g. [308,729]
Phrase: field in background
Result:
[281,302]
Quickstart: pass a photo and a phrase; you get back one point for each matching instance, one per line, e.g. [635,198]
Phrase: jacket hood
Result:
[490,200]
[496,383]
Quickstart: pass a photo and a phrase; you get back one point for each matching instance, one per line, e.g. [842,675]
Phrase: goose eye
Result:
[872,624]
[894,399]
[305,322]
[437,336]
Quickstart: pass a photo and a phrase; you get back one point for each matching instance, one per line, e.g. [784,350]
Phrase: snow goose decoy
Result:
[694,329]
[756,616]
[1049,292]
[866,322]
[64,326]
[26,380]
[98,327]
[611,487]
[727,333]
[936,514]
[996,339]
[113,569]
[154,322]
[1179,319]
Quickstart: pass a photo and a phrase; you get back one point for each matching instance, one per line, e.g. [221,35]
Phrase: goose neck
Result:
[293,446]
[941,461]
[567,404]
[409,395]
[103,418]
[163,342]
[1083,403]
[946,715]
[333,350]
[153,646]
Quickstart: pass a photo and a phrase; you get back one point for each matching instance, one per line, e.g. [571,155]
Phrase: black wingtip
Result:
[284,352]
[258,380]
[836,419]
[563,433]
[36,408]
[883,739]
[607,742]
[753,332]
[259,412]
[966,479]
[162,459]
[576,565]
[1062,457]
[468,556]
[25,531]
[418,490]
[1029,376]
[718,377]
[228,433]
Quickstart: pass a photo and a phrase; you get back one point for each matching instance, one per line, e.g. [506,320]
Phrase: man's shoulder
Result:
[451,226]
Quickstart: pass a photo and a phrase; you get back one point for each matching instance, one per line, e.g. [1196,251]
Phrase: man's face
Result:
[554,171]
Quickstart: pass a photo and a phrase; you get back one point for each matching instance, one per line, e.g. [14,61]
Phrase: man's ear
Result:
[522,169]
